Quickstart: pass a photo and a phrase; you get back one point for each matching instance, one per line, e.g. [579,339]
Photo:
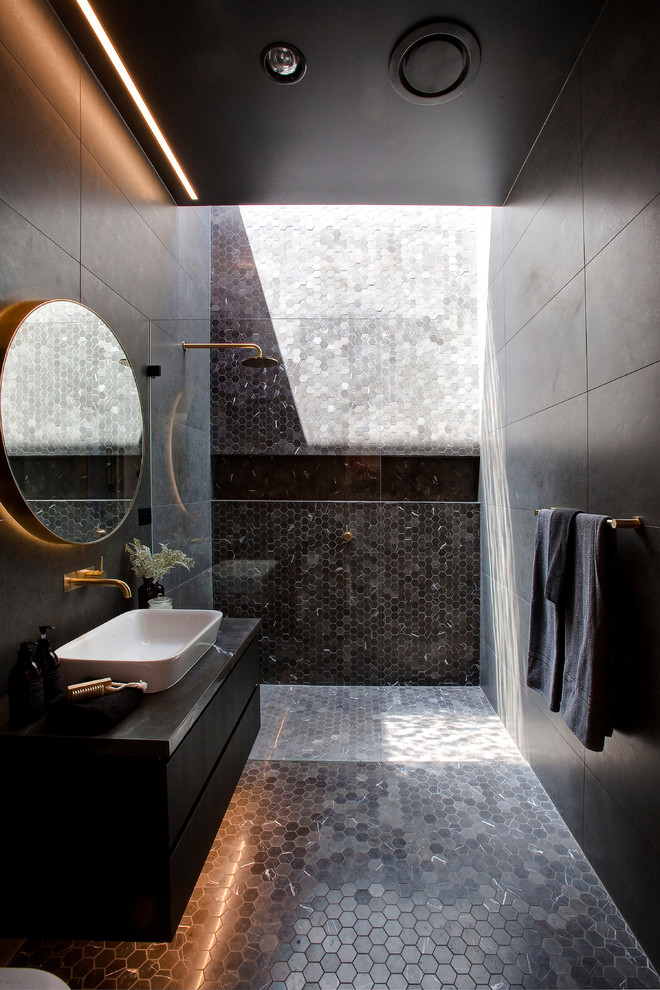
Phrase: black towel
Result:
[560,554]
[91,716]
[586,702]
[545,659]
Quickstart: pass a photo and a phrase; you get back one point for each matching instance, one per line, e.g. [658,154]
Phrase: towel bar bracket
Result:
[633,523]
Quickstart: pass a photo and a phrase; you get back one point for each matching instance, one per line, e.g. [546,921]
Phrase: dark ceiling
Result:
[342,134]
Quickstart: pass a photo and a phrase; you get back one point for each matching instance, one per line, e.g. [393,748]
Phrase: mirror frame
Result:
[11,496]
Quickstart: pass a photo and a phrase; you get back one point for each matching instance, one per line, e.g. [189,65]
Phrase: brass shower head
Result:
[256,361]
[259,361]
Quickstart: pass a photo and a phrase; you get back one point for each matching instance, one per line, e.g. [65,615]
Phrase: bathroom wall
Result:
[83,216]
[572,417]
[370,423]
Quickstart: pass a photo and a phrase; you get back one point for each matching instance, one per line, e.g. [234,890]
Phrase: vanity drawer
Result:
[191,764]
[190,852]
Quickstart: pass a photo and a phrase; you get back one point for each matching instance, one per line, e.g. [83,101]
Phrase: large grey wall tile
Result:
[495,249]
[546,360]
[180,394]
[623,300]
[181,462]
[628,768]
[521,550]
[559,725]
[119,247]
[621,82]
[546,457]
[33,266]
[495,331]
[551,154]
[493,484]
[504,693]
[110,143]
[549,254]
[33,34]
[488,672]
[557,765]
[505,625]
[195,593]
[493,409]
[129,325]
[39,159]
[193,300]
[637,623]
[501,548]
[488,603]
[624,477]
[193,242]
[622,858]
[518,637]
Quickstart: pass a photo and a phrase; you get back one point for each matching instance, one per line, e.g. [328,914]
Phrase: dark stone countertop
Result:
[161,721]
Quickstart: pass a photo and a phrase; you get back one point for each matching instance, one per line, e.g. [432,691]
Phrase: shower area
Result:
[344,478]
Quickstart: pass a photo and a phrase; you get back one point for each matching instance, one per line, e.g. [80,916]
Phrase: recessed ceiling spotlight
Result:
[283,63]
[434,63]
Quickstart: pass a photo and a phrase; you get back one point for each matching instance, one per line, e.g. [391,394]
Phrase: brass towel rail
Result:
[634,523]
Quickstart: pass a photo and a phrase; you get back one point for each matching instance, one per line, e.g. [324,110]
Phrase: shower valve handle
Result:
[347,536]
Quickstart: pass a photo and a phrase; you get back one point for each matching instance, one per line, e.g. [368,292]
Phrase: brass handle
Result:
[347,536]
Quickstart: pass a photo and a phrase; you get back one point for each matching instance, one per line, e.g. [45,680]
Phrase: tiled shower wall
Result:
[571,417]
[345,506]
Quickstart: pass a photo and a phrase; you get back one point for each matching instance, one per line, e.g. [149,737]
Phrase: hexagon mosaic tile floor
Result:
[407,845]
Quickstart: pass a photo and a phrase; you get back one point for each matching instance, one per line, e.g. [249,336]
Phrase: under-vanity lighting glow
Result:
[111,52]
[221,905]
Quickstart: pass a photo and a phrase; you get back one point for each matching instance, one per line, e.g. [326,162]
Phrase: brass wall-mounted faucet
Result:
[92,575]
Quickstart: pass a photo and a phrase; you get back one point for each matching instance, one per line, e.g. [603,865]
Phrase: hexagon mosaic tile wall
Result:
[456,874]
[398,604]
[80,521]
[84,353]
[373,314]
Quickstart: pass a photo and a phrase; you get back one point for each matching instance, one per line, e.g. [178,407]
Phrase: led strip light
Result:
[111,52]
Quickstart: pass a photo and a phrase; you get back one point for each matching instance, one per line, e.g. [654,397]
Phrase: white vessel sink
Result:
[156,646]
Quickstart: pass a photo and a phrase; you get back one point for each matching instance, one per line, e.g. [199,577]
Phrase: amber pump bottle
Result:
[49,662]
[26,689]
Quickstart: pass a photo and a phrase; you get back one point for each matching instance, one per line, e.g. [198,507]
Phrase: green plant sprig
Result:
[155,565]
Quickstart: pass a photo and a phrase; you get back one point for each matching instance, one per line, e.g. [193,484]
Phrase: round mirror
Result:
[71,421]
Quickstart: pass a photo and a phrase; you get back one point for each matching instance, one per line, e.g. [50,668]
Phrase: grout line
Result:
[584,298]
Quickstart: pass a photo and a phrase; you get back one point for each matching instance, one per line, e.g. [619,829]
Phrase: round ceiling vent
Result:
[434,63]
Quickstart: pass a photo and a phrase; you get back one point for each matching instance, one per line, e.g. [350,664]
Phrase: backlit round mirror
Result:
[71,422]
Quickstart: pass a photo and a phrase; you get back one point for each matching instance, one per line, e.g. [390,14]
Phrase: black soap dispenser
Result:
[49,662]
[26,689]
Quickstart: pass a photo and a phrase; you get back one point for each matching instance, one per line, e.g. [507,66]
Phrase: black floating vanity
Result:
[105,836]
